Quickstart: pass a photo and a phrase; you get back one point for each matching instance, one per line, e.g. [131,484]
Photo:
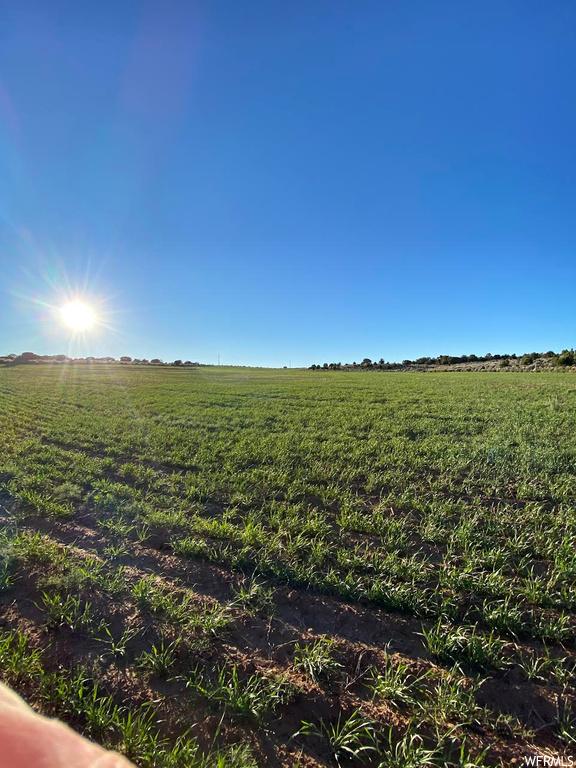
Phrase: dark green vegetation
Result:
[222,567]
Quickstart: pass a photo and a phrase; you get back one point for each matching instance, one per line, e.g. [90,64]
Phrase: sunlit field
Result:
[228,567]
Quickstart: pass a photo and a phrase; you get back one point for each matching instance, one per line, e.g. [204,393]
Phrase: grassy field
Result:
[220,567]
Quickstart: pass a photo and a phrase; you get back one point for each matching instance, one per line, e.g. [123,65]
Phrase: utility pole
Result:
[218,358]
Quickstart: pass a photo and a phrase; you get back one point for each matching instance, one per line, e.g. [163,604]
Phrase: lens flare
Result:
[78,316]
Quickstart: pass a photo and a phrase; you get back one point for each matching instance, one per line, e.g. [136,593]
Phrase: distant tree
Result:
[366,361]
[24,358]
[177,362]
[156,361]
[125,359]
[566,357]
[504,363]
[144,361]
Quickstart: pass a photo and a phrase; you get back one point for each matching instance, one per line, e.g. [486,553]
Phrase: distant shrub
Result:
[504,363]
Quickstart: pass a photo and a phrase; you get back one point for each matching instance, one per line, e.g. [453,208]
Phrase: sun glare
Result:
[78,316]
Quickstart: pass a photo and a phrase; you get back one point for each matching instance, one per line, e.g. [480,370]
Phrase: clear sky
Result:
[289,181]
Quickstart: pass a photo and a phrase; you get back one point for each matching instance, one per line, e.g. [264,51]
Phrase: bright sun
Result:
[78,316]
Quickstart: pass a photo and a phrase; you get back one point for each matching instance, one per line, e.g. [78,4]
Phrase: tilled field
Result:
[216,567]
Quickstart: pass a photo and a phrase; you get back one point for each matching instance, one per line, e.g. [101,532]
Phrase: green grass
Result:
[76,696]
[317,659]
[254,697]
[447,499]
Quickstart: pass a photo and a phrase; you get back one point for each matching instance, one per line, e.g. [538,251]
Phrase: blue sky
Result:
[274,182]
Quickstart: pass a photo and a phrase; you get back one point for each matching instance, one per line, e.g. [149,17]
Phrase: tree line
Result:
[31,358]
[565,358]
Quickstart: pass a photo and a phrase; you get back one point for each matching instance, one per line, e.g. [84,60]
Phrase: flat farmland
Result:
[236,567]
